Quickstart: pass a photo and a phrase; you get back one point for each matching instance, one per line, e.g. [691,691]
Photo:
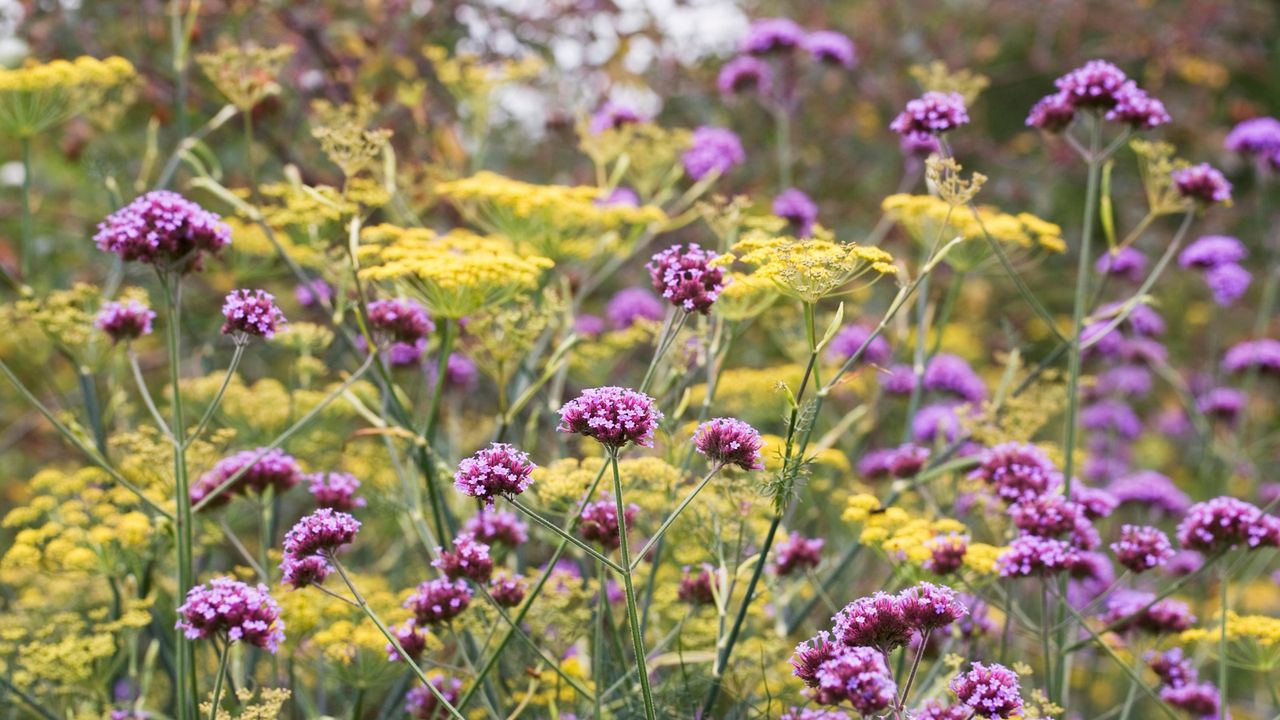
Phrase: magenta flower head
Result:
[696,588]
[1017,470]
[229,609]
[927,607]
[163,228]
[412,639]
[468,559]
[335,490]
[499,470]
[874,621]
[712,150]
[615,116]
[1228,283]
[686,278]
[322,532]
[1053,113]
[1202,183]
[251,313]
[796,553]
[950,374]
[300,572]
[422,704]
[1096,84]
[851,338]
[274,469]
[1034,555]
[1258,138]
[630,305]
[1142,547]
[859,676]
[438,601]
[1127,263]
[797,209]
[497,528]
[506,589]
[1262,355]
[1224,523]
[933,113]
[831,48]
[1198,700]
[810,655]
[1137,109]
[989,690]
[745,74]
[810,713]
[124,321]
[599,523]
[1172,667]
[1210,251]
[768,36]
[946,553]
[727,441]
[401,319]
[612,415]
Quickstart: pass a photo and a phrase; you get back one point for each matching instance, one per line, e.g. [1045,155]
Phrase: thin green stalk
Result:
[89,392]
[1222,645]
[442,372]
[147,400]
[915,667]
[918,360]
[782,122]
[444,528]
[217,398]
[217,683]
[31,702]
[567,537]
[24,247]
[675,514]
[633,613]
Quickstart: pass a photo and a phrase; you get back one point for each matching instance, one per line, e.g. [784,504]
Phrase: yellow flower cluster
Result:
[454,275]
[909,538]
[36,97]
[808,269]
[61,652]
[66,316]
[644,156]
[931,220]
[267,707]
[468,78]
[245,75]
[746,296]
[751,394]
[647,480]
[345,136]
[557,221]
[1254,640]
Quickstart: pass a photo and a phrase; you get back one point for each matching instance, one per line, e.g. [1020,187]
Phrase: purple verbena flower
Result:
[1052,113]
[613,416]
[989,690]
[1203,184]
[831,48]
[1142,547]
[1033,555]
[614,116]
[946,553]
[1210,251]
[421,704]
[233,611]
[1222,404]
[1199,700]
[468,559]
[411,638]
[686,278]
[712,150]
[696,588]
[728,441]
[401,319]
[933,113]
[507,589]
[335,490]
[1258,138]
[599,523]
[499,470]
[745,74]
[797,209]
[1152,490]
[1226,522]
[1096,84]
[438,601]
[927,607]
[251,312]
[1138,109]
[124,321]
[497,528]
[1228,283]
[1262,355]
[1016,471]
[768,36]
[163,228]
[952,374]
[274,469]
[850,338]
[1172,667]
[300,572]
[1128,263]
[874,621]
[859,676]
[796,553]
[632,304]
[322,532]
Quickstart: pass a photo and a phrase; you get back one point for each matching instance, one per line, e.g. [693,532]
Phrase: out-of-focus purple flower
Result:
[615,116]
[745,74]
[233,611]
[1223,404]
[933,113]
[124,321]
[1136,610]
[1095,502]
[1047,515]
[438,601]
[1142,547]
[918,146]
[1138,109]
[1125,380]
[1172,667]
[1210,251]
[335,490]
[1095,84]
[712,150]
[818,713]
[728,441]
[686,278]
[588,325]
[874,621]
[499,470]
[619,197]
[1052,113]
[1183,563]
[301,572]
[1228,283]
[497,527]
[612,415]
[1033,555]
[1262,355]
[933,710]
[507,590]
[1111,415]
[831,48]
[989,690]
[1016,471]
[1224,523]
[1128,263]
[1199,700]
[946,553]
[163,228]
[412,639]
[927,607]
[1259,138]
[696,588]
[459,372]
[767,36]
[898,380]
[468,559]
[859,676]
[1173,421]
[422,704]
[797,209]
[952,374]
[599,523]
[251,312]
[796,553]
[401,319]
[852,337]
[1202,183]
[273,469]
[1152,490]
[315,292]
[632,304]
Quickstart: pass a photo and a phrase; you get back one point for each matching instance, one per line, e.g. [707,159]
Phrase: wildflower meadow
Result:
[807,360]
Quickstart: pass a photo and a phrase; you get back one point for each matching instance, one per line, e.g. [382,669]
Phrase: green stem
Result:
[662,529]
[633,613]
[24,247]
[217,398]
[782,121]
[217,683]
[567,537]
[31,702]
[1222,646]
[442,373]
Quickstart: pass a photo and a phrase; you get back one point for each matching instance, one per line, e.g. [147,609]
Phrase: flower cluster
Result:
[726,441]
[252,470]
[611,415]
[686,277]
[499,470]
[1098,86]
[335,490]
[234,612]
[1224,523]
[251,312]
[125,321]
[163,228]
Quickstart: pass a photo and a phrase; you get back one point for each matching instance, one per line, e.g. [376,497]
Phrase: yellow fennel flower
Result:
[930,220]
[812,268]
[35,97]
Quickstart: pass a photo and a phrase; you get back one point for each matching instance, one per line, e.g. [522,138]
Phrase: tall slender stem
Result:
[1222,645]
[633,613]
[217,683]
[24,248]
[217,398]
[184,650]
[662,529]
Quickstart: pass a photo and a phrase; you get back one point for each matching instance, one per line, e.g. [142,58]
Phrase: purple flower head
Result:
[1199,700]
[459,371]
[1203,184]
[321,532]
[1257,137]
[1127,263]
[1131,381]
[927,607]
[1047,515]
[696,588]
[124,321]
[1228,283]
[1112,416]
[1167,616]
[422,704]
[412,639]
[497,528]
[852,337]
[335,490]
[1264,355]
[745,74]
[231,610]
[468,559]
[712,150]
[874,621]
[989,690]
[619,197]
[935,422]
[1096,84]
[1094,502]
[1210,251]
[1226,522]
[438,601]
[1016,471]
[1172,667]
[300,572]
[946,553]
[588,325]
[273,469]
[401,319]
[1151,489]
[797,209]
[767,36]
[507,589]
[918,146]
[632,304]
[1033,555]
[796,553]
[613,416]
[686,278]
[1053,113]
[1223,404]
[1184,562]
[859,676]
[796,713]
[614,116]
[251,312]
[899,380]
[831,48]
[810,655]
[315,292]
[1142,547]
[727,441]
[932,113]
[933,710]
[1138,109]
[951,374]
[163,228]
[499,470]
[599,523]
